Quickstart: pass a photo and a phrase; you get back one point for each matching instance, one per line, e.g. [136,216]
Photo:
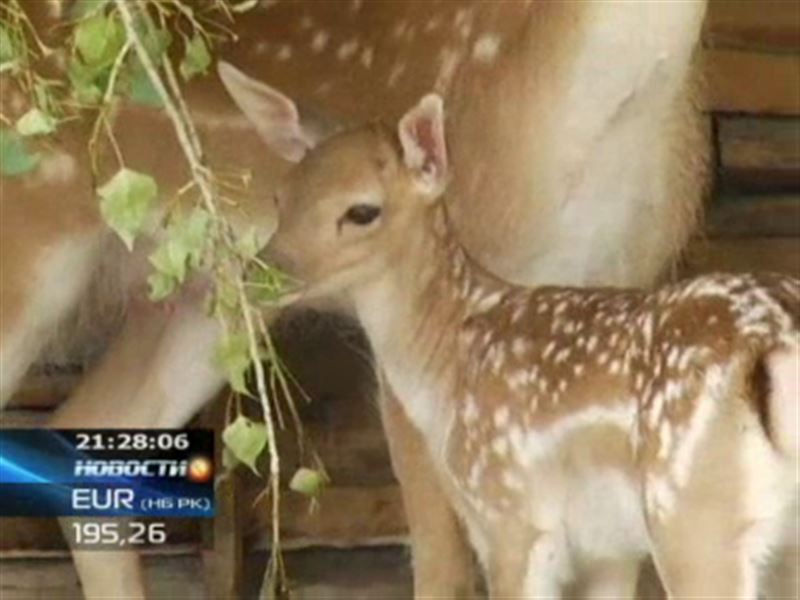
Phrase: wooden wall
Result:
[752,54]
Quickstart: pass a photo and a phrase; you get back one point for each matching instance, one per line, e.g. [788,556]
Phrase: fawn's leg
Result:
[713,526]
[157,374]
[443,562]
[524,563]
[783,577]
[784,581]
[698,557]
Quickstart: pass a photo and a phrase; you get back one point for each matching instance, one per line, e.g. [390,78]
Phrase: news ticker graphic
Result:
[107,473]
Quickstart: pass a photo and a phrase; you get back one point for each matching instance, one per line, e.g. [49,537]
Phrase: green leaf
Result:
[156,41]
[308,482]
[142,90]
[126,201]
[246,440]
[7,50]
[183,245]
[250,243]
[161,286]
[229,460]
[35,122]
[99,39]
[190,235]
[86,81]
[197,58]
[233,357]
[85,8]
[15,158]
[267,285]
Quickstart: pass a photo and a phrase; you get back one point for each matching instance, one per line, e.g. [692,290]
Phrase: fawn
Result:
[576,430]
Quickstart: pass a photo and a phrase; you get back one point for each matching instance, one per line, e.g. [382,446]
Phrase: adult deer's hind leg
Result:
[443,561]
[157,374]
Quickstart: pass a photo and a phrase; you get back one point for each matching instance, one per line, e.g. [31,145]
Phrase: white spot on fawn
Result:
[394,75]
[486,48]
[366,57]
[347,50]
[320,41]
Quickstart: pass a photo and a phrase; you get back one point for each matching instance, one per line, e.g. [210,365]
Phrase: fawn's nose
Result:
[277,256]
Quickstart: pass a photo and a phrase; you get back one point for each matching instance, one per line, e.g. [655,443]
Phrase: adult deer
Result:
[576,429]
[579,159]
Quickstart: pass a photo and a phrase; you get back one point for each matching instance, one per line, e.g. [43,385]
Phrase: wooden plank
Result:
[753,24]
[760,154]
[168,577]
[755,216]
[314,573]
[345,517]
[754,83]
[739,255]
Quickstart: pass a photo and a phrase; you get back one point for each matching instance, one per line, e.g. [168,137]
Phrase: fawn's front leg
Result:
[442,559]
[157,374]
[525,563]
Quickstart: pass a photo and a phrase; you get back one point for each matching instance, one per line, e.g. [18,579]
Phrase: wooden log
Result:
[755,216]
[760,154]
[738,255]
[754,25]
[754,83]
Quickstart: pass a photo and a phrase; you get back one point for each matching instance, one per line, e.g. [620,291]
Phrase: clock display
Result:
[126,440]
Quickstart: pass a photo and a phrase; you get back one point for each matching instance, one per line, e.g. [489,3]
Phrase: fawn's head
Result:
[353,199]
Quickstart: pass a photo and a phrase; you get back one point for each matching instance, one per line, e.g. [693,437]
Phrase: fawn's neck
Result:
[412,313]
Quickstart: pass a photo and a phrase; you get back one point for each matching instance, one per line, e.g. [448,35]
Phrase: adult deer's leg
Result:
[39,284]
[157,374]
[443,562]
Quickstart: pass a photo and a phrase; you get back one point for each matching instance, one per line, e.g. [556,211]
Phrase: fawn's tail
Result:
[783,398]
[782,366]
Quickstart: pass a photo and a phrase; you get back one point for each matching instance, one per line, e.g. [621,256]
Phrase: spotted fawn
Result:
[577,431]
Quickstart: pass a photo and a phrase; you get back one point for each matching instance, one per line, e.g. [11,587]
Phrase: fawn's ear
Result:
[421,132]
[274,115]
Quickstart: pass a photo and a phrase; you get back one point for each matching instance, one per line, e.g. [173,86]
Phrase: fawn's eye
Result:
[362,214]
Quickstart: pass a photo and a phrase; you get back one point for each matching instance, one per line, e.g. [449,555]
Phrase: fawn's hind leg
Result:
[610,579]
[783,578]
[525,563]
[720,508]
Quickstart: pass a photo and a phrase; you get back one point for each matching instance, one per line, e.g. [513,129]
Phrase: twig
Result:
[198,170]
[181,121]
[102,117]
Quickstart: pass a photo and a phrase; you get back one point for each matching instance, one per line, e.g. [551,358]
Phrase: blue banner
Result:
[107,473]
